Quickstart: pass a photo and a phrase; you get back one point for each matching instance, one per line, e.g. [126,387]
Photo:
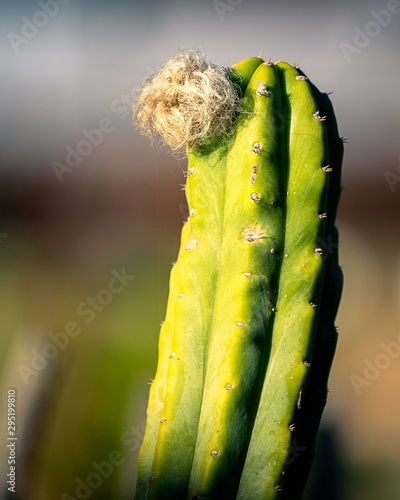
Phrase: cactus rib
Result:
[197,271]
[326,336]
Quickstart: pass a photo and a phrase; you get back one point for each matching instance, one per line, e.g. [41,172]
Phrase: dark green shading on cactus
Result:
[249,336]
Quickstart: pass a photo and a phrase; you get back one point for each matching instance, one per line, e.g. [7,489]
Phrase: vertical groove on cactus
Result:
[249,335]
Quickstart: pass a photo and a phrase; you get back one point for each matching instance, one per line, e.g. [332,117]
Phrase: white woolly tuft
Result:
[187,102]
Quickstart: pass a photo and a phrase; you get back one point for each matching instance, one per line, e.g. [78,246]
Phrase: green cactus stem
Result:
[249,336]
[252,244]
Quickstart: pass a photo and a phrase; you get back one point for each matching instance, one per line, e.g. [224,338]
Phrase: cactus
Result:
[249,337]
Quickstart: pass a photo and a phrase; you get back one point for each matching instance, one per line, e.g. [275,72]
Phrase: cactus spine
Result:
[249,336]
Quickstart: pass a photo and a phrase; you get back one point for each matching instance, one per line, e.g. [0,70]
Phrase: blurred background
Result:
[91,216]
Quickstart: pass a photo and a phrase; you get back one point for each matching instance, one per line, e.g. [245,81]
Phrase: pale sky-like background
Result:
[67,77]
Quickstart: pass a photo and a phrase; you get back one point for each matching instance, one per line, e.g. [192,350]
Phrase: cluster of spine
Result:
[249,336]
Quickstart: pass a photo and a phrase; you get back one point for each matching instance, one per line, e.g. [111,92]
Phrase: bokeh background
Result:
[68,224]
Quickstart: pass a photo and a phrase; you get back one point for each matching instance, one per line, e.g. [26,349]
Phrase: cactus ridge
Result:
[326,335]
[249,335]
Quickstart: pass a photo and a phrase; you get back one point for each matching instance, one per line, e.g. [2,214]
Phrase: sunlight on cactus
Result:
[249,336]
